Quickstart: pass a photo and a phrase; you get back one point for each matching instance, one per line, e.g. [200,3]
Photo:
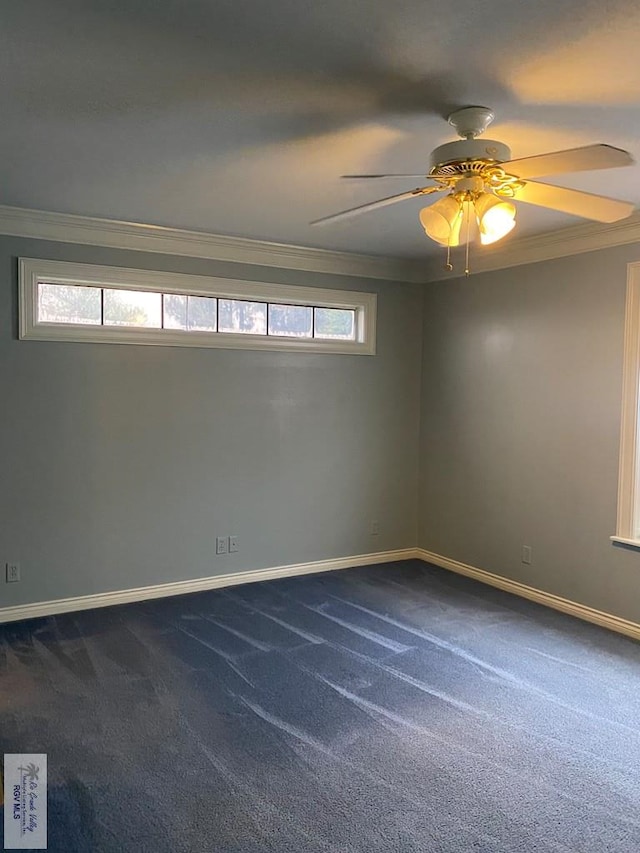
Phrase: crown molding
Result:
[136,236]
[588,237]
[116,234]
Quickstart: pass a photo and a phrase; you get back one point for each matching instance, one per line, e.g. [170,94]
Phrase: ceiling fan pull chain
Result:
[467,271]
[449,266]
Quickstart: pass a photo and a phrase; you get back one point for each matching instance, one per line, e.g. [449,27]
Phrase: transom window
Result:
[82,302]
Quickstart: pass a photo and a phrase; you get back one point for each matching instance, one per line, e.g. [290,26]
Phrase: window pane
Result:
[294,321]
[195,313]
[132,308]
[239,316]
[201,313]
[175,311]
[68,303]
[335,323]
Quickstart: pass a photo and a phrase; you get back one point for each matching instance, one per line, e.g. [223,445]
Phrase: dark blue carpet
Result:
[394,708]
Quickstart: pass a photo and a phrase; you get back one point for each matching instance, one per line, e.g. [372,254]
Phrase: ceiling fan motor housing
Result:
[465,150]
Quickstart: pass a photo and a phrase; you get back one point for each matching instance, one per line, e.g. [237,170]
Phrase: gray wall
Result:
[120,464]
[520,423]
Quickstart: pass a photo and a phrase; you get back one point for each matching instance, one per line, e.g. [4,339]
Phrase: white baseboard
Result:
[581,611]
[124,596]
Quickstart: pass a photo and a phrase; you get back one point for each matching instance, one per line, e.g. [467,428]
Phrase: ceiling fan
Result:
[481,182]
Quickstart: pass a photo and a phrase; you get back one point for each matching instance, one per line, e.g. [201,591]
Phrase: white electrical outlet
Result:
[13,572]
[526,554]
[221,544]
[233,544]
[375,528]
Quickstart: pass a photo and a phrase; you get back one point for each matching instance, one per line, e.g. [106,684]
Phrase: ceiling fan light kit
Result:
[494,217]
[442,221]
[481,181]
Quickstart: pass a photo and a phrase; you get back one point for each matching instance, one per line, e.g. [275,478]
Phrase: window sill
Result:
[621,540]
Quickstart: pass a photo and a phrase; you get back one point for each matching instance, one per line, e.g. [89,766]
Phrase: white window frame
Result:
[628,521]
[32,271]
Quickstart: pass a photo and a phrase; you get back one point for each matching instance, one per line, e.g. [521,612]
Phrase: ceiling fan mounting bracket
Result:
[470,122]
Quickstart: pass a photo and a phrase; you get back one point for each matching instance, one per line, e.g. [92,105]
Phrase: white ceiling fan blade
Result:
[369,177]
[578,203]
[382,202]
[572,160]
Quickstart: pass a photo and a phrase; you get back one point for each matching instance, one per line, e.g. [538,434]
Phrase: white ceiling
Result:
[238,116]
